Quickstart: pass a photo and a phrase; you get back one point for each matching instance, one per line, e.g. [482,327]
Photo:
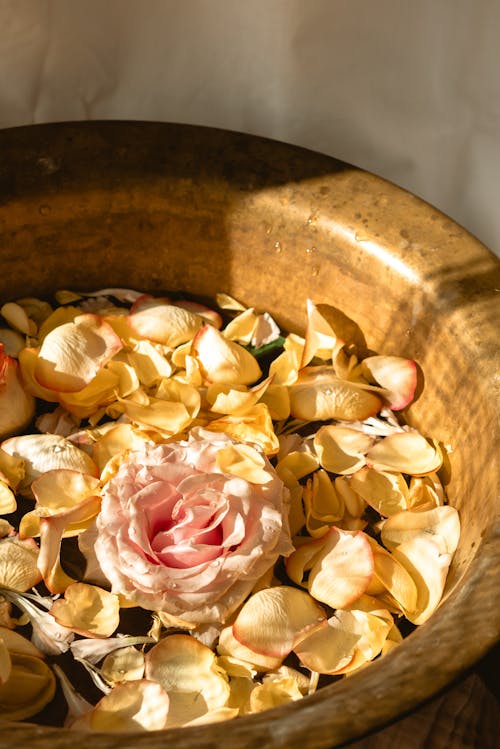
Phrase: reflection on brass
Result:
[171,207]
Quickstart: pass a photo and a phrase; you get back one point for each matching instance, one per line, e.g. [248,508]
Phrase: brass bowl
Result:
[166,207]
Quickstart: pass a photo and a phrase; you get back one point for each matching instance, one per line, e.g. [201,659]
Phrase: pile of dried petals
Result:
[251,499]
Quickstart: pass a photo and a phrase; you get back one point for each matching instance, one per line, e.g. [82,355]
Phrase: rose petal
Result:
[223,361]
[274,620]
[235,399]
[130,707]
[393,577]
[188,671]
[16,317]
[442,524]
[45,452]
[254,426]
[319,395]
[162,322]
[385,492]
[87,610]
[17,406]
[30,686]
[125,664]
[341,450]
[343,570]
[398,376]
[72,354]
[406,452]
[63,488]
[18,563]
[323,504]
[229,646]
[428,566]
[149,363]
[16,643]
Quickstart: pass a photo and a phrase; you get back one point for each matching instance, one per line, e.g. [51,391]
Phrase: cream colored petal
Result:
[428,566]
[149,363]
[393,577]
[8,502]
[385,492]
[442,524]
[163,322]
[319,395]
[343,570]
[72,354]
[425,492]
[398,376]
[272,694]
[321,500]
[168,416]
[29,688]
[273,620]
[125,664]
[320,339]
[16,317]
[241,328]
[133,706]
[87,610]
[223,361]
[116,441]
[255,426]
[245,462]
[354,504]
[11,468]
[62,488]
[229,646]
[17,405]
[303,559]
[235,399]
[341,450]
[331,647]
[406,452]
[16,643]
[18,563]
[188,671]
[298,462]
[45,452]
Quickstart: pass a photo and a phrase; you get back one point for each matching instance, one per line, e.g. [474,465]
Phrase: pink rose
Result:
[177,534]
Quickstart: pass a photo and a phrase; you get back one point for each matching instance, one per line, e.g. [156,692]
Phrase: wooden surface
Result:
[464,717]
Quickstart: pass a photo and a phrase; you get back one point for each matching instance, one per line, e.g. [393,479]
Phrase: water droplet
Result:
[328,391]
[44,209]
[310,250]
[173,586]
[315,270]
[361,237]
[277,247]
[121,671]
[312,219]
[59,448]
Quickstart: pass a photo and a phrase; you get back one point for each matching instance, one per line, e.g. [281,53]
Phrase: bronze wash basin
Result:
[159,207]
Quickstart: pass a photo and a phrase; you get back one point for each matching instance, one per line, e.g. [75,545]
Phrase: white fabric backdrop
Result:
[409,89]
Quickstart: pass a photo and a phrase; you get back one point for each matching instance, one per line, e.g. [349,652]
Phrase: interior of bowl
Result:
[172,207]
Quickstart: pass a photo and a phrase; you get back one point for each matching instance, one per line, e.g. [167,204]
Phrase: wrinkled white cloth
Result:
[408,89]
